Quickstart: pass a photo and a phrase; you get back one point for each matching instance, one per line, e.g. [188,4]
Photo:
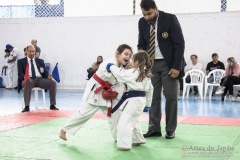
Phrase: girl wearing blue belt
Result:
[131,105]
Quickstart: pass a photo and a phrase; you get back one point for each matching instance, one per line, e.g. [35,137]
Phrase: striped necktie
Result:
[151,50]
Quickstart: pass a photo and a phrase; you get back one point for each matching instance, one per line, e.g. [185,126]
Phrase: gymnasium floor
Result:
[207,129]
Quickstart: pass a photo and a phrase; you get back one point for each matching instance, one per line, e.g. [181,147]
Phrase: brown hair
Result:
[232,59]
[97,60]
[122,47]
[144,65]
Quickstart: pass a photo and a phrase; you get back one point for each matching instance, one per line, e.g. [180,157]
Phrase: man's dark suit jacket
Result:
[170,40]
[22,63]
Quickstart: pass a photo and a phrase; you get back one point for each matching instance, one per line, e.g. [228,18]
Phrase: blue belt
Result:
[127,95]
[4,70]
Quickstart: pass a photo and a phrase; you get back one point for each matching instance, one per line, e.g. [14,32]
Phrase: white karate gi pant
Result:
[128,128]
[9,78]
[86,111]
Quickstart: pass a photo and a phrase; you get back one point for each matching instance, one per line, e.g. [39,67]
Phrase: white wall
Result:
[76,42]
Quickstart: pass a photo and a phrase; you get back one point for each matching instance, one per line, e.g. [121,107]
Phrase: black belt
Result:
[127,95]
[158,59]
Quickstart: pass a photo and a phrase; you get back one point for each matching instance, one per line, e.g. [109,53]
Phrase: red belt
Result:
[104,85]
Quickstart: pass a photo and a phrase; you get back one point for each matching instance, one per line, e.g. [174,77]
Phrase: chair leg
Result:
[205,91]
[44,98]
[210,92]
[184,92]
[200,92]
[23,103]
[188,89]
[36,99]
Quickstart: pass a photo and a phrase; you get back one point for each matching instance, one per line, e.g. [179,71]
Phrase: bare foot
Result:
[62,135]
[138,144]
[123,149]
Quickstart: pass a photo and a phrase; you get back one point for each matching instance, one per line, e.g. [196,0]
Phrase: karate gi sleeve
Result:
[120,74]
[149,94]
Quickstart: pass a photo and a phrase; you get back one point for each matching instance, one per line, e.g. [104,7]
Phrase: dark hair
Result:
[101,61]
[148,4]
[194,55]
[6,50]
[34,40]
[144,65]
[122,47]
[214,55]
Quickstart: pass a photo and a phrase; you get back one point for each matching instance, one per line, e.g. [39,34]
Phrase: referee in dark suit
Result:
[161,35]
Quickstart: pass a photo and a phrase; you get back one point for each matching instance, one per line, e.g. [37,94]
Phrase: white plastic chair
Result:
[36,89]
[217,75]
[197,79]
[236,87]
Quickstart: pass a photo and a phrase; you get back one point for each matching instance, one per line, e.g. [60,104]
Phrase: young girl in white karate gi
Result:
[7,70]
[92,97]
[131,105]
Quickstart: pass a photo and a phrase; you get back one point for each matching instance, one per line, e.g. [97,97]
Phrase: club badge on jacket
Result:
[165,35]
[41,70]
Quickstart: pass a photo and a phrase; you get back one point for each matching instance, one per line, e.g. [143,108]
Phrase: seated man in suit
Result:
[37,76]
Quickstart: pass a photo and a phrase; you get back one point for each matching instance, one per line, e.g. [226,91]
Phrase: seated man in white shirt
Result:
[194,65]
[32,72]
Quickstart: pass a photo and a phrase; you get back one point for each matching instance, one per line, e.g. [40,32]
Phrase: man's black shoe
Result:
[195,93]
[213,94]
[26,109]
[223,97]
[52,107]
[152,134]
[170,135]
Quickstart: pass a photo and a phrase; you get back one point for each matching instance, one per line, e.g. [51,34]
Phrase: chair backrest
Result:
[217,75]
[196,75]
[47,66]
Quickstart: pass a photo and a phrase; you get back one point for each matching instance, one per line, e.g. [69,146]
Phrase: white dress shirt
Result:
[158,53]
[35,67]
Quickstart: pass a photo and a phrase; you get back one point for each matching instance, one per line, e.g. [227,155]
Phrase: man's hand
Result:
[22,83]
[50,76]
[174,73]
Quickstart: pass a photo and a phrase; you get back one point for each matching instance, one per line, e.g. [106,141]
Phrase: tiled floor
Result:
[11,103]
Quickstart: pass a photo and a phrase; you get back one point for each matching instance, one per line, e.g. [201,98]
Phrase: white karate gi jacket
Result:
[9,65]
[129,77]
[92,85]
